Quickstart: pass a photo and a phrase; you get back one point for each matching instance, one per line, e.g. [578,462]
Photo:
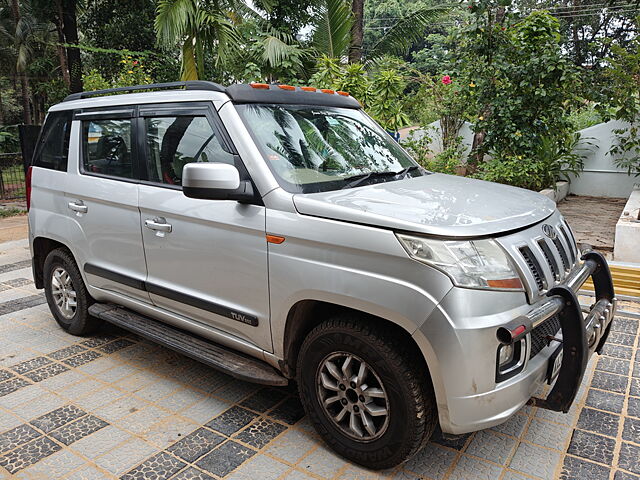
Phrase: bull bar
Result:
[581,335]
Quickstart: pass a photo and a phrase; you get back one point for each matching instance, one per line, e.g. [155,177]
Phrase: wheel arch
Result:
[42,246]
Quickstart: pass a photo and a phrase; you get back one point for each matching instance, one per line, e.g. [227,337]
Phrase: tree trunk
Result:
[24,81]
[1,111]
[189,64]
[357,31]
[62,57]
[70,30]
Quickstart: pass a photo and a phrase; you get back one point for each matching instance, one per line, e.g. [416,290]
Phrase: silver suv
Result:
[277,233]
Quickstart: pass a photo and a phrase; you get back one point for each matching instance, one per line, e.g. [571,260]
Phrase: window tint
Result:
[53,150]
[173,142]
[107,147]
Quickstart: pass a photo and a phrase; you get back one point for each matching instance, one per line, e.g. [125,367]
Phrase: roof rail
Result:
[188,85]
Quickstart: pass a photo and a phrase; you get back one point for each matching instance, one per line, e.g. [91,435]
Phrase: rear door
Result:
[206,259]
[102,201]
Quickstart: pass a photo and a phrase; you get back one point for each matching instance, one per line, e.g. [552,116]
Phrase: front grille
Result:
[562,252]
[539,335]
[551,260]
[533,265]
[572,253]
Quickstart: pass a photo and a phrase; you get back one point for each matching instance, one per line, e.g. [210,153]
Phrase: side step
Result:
[235,364]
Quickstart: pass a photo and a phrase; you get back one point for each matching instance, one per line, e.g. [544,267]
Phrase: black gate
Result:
[12,185]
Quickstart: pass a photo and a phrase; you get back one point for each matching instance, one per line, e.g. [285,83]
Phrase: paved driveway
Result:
[114,406]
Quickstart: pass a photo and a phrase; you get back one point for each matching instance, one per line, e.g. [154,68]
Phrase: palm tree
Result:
[197,25]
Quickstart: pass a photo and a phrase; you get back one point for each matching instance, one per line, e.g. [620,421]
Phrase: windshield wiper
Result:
[404,171]
[356,180]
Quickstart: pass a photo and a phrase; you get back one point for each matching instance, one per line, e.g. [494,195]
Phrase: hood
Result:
[435,204]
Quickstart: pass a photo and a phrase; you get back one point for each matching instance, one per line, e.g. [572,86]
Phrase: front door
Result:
[206,259]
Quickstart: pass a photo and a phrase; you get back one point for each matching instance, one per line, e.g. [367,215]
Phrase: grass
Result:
[11,212]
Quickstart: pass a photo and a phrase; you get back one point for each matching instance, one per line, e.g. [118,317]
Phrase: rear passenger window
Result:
[173,142]
[53,149]
[107,147]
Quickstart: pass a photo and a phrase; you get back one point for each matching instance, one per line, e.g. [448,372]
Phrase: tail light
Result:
[27,182]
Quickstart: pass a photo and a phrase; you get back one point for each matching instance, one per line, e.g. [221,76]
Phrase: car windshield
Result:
[314,149]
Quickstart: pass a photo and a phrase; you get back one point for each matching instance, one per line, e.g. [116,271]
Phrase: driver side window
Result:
[107,147]
[173,142]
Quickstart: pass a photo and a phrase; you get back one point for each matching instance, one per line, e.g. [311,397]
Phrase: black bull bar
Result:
[581,335]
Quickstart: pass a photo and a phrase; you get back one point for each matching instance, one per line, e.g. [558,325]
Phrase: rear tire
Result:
[67,294]
[352,420]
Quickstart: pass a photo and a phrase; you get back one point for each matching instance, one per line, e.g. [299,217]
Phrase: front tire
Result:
[67,294]
[365,391]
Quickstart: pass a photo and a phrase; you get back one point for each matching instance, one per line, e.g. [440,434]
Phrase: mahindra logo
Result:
[549,231]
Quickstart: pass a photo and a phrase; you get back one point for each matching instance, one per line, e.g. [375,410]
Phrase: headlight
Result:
[469,263]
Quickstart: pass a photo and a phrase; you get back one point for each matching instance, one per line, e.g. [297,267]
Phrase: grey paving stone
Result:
[602,400]
[610,382]
[73,432]
[10,267]
[45,372]
[125,456]
[631,432]
[578,469]
[66,352]
[620,475]
[618,351]
[82,358]
[633,407]
[31,364]
[98,340]
[5,375]
[621,339]
[635,387]
[624,325]
[22,303]
[636,367]
[196,444]
[629,455]
[468,467]
[158,467]
[592,447]
[231,420]
[192,473]
[547,434]
[55,466]
[100,442]
[496,448]
[514,476]
[614,365]
[28,454]
[267,468]
[291,446]
[432,461]
[116,345]
[535,461]
[57,418]
[264,399]
[17,282]
[290,411]
[17,436]
[260,432]
[600,422]
[514,426]
[225,458]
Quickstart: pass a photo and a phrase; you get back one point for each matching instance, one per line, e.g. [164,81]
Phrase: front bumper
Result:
[468,396]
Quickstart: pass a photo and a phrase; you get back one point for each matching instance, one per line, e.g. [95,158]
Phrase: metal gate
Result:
[12,181]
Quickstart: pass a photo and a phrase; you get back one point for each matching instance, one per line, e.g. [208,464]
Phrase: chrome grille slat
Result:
[562,252]
[572,253]
[551,260]
[534,266]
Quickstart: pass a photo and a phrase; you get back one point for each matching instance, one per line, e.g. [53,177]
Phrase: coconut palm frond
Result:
[333,28]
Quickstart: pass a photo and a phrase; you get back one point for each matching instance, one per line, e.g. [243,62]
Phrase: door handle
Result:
[158,224]
[78,206]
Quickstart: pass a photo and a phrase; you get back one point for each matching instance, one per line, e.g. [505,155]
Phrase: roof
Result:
[239,93]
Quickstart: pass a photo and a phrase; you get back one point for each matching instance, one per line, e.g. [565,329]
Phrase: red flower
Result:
[446,80]
[135,62]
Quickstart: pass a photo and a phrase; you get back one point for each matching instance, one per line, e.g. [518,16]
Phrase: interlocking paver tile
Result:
[631,432]
[205,409]
[82,358]
[17,436]
[636,368]
[432,460]
[66,352]
[290,411]
[614,365]
[232,420]
[182,399]
[617,351]
[196,444]
[260,433]
[102,441]
[610,382]
[125,456]
[633,407]
[91,473]
[620,475]
[599,422]
[115,345]
[496,448]
[142,420]
[55,466]
[635,387]
[514,426]
[168,431]
[535,461]
[624,325]
[39,406]
[602,400]
[577,469]
[547,434]
[468,467]
[457,441]
[629,455]
[158,467]
[621,339]
[192,474]
[5,375]
[264,399]
[58,418]
[268,468]
[31,364]
[225,458]
[46,372]
[291,446]
[592,447]
[28,454]
[73,432]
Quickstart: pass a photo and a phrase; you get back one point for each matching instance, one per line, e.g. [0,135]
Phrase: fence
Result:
[12,182]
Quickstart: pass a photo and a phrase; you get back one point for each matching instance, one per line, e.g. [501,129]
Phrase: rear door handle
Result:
[78,206]
[158,224]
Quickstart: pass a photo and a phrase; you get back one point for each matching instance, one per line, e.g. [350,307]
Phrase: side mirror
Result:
[215,181]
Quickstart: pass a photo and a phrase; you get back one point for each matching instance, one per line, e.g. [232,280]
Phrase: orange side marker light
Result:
[327,90]
[262,86]
[277,239]
[344,94]
[308,89]
[287,87]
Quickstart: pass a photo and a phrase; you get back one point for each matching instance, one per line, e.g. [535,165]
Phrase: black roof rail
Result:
[188,85]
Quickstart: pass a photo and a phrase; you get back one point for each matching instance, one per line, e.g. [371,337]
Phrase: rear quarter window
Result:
[52,151]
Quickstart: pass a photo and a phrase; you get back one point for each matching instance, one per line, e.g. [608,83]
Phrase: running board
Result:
[233,363]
